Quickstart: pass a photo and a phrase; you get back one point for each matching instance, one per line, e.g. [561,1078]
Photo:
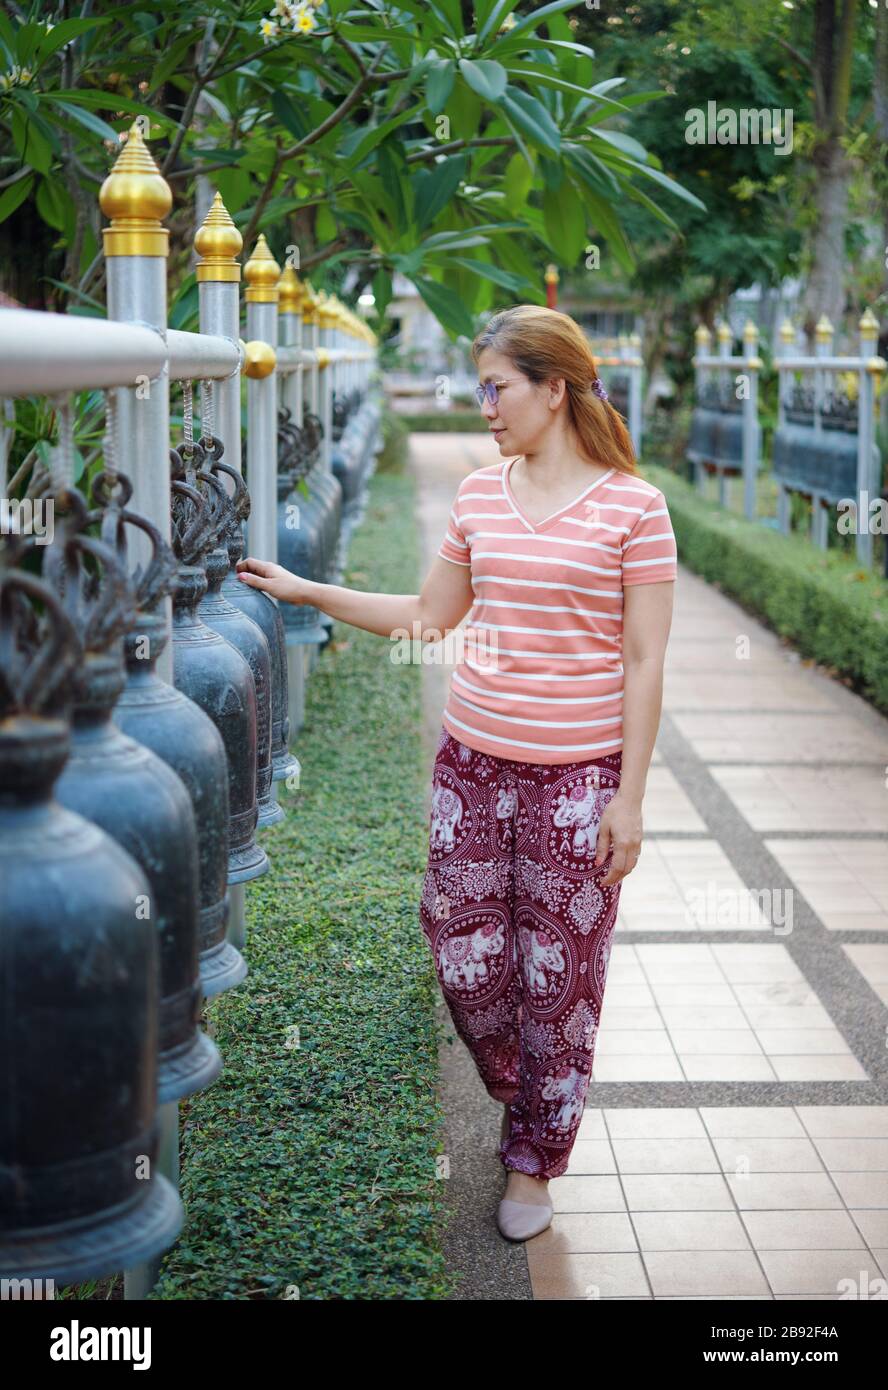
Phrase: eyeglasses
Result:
[490,389]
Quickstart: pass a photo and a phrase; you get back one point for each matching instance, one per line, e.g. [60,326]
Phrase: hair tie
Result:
[598,388]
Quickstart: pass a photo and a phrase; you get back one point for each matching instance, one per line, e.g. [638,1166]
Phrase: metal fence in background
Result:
[824,445]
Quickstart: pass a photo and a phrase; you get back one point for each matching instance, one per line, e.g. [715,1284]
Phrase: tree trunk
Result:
[834,22]
[825,290]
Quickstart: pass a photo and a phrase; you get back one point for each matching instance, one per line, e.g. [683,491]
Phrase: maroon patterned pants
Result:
[520,930]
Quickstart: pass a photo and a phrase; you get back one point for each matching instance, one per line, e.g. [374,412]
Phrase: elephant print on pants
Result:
[520,930]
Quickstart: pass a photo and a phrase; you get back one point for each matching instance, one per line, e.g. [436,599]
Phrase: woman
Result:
[569,558]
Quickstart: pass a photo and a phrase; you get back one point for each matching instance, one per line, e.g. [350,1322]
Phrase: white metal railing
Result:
[134,357]
[822,368]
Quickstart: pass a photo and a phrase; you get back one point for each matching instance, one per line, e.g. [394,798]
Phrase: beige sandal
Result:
[521,1220]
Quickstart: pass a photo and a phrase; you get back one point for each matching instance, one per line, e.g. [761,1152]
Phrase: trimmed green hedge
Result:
[395,436]
[445,422]
[832,610]
[315,1166]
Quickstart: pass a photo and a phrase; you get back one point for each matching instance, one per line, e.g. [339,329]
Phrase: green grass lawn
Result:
[310,1171]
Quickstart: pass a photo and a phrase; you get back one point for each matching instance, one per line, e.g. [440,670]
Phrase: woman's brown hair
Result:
[545,343]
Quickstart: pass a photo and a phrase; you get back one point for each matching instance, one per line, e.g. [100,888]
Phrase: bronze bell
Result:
[262,608]
[300,547]
[133,795]
[178,731]
[209,670]
[236,627]
[80,1192]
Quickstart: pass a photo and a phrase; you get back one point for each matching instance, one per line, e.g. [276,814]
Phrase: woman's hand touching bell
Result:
[273,579]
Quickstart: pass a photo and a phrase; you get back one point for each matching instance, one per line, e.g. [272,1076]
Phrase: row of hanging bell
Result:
[164,719]
[263,611]
[83,965]
[206,667]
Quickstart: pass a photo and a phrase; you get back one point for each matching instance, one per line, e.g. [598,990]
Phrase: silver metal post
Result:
[262,273]
[823,348]
[134,196]
[751,433]
[291,296]
[868,460]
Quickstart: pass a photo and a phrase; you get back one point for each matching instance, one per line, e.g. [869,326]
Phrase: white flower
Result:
[268,29]
[304,20]
[508,23]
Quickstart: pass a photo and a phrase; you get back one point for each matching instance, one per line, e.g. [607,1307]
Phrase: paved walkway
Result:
[737,1111]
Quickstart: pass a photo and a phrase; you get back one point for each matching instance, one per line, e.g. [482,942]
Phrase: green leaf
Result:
[593,171]
[110,101]
[485,77]
[15,194]
[450,12]
[357,150]
[565,220]
[628,102]
[185,308]
[325,227]
[537,16]
[32,145]
[494,19]
[465,112]
[26,41]
[66,30]
[550,79]
[624,143]
[51,199]
[440,85]
[382,291]
[93,123]
[170,60]
[576,48]
[393,176]
[463,236]
[518,180]
[290,117]
[7,38]
[234,187]
[638,197]
[670,185]
[448,310]
[518,284]
[434,189]
[605,220]
[532,118]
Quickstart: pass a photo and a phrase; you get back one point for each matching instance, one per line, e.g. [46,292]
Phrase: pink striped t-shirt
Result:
[541,678]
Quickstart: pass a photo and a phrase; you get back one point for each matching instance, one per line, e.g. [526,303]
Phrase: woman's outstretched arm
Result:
[446,597]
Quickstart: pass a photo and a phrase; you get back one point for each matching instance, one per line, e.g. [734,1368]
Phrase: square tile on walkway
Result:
[779,736]
[690,885]
[829,797]
[715,1012]
[667,805]
[743,690]
[845,881]
[872,962]
[733,1187]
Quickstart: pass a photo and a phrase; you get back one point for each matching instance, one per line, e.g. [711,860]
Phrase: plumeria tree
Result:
[462,145]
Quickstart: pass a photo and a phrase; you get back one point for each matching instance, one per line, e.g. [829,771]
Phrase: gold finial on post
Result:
[218,243]
[135,196]
[262,274]
[868,325]
[291,292]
